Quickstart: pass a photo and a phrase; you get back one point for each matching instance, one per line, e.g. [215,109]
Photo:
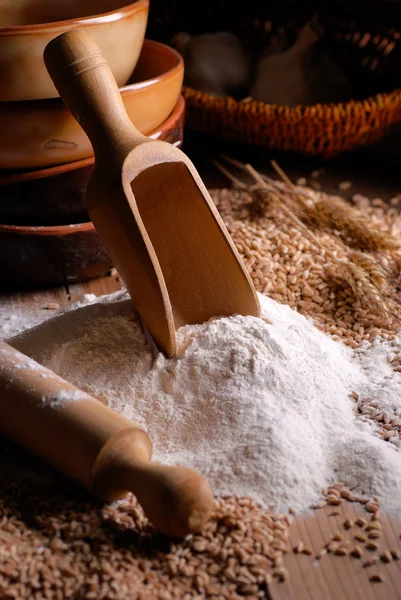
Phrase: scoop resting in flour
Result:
[260,406]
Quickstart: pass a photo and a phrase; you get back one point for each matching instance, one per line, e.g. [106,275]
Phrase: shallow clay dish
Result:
[56,195]
[26,26]
[42,133]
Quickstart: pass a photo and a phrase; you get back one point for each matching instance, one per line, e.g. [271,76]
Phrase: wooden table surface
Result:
[333,577]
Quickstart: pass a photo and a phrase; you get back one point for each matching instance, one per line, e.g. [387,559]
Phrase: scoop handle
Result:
[95,446]
[88,89]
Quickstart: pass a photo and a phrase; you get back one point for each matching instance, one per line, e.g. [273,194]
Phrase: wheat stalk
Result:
[335,213]
[364,290]
[367,279]
[372,268]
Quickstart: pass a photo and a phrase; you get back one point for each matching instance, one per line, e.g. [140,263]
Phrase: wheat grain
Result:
[386,557]
[341,551]
[371,546]
[371,562]
[376,578]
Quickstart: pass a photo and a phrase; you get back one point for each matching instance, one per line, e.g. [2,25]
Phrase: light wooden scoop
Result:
[149,205]
[95,446]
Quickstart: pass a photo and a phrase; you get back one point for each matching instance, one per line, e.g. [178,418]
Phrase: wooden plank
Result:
[302,582]
[31,307]
[35,306]
[373,178]
[339,577]
[352,511]
[100,286]
[392,538]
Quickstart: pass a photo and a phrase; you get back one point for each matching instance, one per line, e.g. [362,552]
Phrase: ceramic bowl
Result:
[26,27]
[42,256]
[57,195]
[43,133]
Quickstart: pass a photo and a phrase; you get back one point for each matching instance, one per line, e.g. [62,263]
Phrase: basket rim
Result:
[305,108]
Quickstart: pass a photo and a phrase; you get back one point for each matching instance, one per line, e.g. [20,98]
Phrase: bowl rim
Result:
[177,68]
[113,15]
[165,49]
[22,176]
[48,230]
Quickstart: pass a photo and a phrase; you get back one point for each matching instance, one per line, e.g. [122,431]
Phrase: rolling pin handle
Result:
[177,500]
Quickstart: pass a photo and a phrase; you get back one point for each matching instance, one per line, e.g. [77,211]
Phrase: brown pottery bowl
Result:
[32,255]
[56,196]
[26,27]
[42,256]
[44,133]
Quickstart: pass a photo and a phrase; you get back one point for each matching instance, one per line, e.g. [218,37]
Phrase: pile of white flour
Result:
[261,407]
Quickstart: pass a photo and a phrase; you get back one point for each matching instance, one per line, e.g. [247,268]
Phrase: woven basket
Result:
[363,38]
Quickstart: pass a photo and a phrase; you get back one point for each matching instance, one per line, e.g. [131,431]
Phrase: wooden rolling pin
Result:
[95,446]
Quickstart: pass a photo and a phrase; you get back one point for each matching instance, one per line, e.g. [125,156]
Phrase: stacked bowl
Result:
[45,157]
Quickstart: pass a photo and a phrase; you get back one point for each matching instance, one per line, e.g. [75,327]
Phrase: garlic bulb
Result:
[278,43]
[214,62]
[298,75]
[282,77]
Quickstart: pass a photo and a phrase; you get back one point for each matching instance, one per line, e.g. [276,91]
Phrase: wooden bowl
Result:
[42,256]
[56,196]
[43,132]
[26,27]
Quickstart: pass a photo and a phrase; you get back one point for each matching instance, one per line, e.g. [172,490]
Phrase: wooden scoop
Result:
[95,446]
[149,205]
